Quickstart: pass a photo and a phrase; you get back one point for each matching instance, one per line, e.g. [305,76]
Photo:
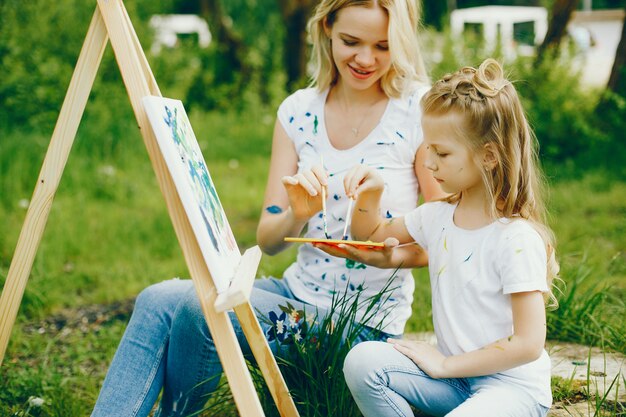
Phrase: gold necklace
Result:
[355,129]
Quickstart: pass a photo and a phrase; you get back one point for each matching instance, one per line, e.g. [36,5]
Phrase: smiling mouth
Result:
[359,72]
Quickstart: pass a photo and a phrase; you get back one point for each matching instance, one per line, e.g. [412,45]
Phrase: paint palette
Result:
[368,244]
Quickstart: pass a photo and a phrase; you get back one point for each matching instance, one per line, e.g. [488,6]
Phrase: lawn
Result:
[109,235]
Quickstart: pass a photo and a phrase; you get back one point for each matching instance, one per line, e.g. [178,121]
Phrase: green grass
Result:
[109,236]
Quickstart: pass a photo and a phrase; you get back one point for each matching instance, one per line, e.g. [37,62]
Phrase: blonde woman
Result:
[491,263]
[362,107]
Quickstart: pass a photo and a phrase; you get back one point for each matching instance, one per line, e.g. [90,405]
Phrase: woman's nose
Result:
[365,57]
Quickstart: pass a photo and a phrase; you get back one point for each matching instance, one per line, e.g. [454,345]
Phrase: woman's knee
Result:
[164,295]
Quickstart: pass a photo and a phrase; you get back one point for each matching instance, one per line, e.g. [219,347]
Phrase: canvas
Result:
[195,187]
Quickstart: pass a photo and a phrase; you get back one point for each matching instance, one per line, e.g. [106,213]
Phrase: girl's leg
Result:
[384,382]
[493,397]
[135,376]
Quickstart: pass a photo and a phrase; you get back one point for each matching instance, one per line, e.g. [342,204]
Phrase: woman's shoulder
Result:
[303,96]
[408,104]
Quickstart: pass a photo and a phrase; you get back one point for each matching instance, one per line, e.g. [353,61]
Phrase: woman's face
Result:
[360,46]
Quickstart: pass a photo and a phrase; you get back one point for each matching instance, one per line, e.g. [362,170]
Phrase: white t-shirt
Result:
[316,277]
[472,274]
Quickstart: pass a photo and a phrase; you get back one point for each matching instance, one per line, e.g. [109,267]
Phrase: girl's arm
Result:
[365,185]
[524,345]
[290,199]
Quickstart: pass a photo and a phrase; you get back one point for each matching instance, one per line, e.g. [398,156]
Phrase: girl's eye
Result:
[442,155]
[383,47]
[349,43]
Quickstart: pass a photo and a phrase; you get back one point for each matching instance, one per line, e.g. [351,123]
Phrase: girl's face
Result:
[451,161]
[359,45]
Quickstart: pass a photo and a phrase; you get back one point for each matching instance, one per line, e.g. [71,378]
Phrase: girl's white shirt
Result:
[472,274]
[316,277]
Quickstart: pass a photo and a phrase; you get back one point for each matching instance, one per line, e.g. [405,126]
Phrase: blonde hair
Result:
[492,114]
[407,65]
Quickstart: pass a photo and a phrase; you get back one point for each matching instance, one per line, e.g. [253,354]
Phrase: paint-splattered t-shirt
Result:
[472,276]
[316,276]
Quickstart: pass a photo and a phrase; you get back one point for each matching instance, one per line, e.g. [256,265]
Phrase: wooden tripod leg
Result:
[266,361]
[50,176]
[226,343]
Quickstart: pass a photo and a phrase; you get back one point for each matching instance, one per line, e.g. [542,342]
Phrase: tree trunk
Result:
[230,44]
[561,14]
[617,80]
[295,15]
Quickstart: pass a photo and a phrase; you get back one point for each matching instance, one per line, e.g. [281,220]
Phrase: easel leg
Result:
[138,84]
[266,361]
[50,176]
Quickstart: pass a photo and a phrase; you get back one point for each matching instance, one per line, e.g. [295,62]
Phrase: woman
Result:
[363,107]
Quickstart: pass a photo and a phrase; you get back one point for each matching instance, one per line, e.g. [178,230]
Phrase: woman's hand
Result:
[304,191]
[423,354]
[362,178]
[380,258]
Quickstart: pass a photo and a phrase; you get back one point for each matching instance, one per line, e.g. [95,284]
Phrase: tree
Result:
[295,14]
[561,13]
[617,79]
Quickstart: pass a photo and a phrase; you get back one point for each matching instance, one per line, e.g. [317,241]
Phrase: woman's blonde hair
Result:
[492,114]
[407,65]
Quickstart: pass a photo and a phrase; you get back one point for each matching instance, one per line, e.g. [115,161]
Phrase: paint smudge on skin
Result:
[274,209]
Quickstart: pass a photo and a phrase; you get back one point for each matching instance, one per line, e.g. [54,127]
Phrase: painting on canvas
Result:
[193,182]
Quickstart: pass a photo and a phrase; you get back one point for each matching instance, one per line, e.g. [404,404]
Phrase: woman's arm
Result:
[523,346]
[290,199]
[391,256]
[429,188]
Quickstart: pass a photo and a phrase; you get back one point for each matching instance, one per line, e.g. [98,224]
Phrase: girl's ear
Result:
[489,159]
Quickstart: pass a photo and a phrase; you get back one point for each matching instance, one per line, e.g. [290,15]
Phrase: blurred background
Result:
[232,62]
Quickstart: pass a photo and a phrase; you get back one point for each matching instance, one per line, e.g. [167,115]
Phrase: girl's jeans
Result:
[384,382]
[167,345]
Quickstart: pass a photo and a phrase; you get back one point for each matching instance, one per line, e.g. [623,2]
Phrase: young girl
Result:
[363,106]
[491,262]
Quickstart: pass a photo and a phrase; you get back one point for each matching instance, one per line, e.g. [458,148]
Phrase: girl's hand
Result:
[380,258]
[423,354]
[304,191]
[362,178]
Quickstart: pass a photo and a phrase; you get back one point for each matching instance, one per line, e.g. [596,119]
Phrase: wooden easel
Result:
[110,20]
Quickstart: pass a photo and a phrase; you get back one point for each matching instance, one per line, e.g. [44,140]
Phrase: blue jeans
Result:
[384,382]
[167,346]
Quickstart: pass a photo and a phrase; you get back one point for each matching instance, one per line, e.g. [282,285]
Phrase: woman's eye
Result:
[383,47]
[442,155]
[349,43]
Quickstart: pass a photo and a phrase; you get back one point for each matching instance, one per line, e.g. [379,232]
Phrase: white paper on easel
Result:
[197,193]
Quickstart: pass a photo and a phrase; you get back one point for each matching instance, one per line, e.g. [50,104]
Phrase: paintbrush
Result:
[348,217]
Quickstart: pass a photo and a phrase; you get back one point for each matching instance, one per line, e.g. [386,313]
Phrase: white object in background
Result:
[167,27]
[504,16]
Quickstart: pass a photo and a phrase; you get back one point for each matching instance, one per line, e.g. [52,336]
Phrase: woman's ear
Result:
[490,159]
[327,27]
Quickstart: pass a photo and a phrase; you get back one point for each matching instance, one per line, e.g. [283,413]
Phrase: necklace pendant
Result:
[355,131]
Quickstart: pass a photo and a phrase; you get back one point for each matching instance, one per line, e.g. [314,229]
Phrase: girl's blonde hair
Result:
[407,65]
[492,114]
